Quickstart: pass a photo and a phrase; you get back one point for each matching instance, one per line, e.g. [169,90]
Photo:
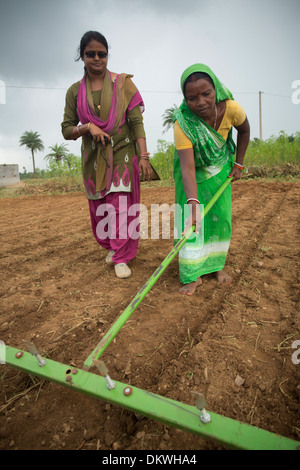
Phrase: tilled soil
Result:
[234,343]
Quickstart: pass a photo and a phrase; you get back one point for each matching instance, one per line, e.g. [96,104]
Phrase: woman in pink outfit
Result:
[114,153]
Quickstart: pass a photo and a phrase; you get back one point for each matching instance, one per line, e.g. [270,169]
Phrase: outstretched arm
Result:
[188,173]
[243,137]
[144,165]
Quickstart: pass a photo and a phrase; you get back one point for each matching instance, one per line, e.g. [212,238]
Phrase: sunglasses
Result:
[91,54]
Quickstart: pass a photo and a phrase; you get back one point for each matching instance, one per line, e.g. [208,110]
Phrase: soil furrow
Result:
[57,291]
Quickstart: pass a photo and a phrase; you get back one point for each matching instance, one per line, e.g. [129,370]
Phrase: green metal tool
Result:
[228,432]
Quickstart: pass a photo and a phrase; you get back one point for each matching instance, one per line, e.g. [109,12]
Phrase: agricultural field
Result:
[234,343]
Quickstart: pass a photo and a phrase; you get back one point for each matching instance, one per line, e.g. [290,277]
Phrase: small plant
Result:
[162,159]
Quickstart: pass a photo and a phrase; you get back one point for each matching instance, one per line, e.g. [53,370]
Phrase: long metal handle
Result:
[121,320]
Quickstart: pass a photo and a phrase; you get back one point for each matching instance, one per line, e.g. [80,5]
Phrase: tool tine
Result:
[31,347]
[101,367]
[200,401]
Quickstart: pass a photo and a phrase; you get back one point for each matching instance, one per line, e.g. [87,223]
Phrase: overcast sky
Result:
[251,45]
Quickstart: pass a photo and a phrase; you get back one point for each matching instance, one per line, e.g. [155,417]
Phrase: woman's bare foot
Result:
[189,289]
[223,277]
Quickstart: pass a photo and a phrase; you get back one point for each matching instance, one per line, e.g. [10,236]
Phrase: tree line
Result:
[276,150]
[59,157]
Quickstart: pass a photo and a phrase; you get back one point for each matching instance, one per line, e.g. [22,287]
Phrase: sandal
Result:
[109,257]
[122,271]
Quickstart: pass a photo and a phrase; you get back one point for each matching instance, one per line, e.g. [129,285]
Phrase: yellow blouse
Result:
[234,116]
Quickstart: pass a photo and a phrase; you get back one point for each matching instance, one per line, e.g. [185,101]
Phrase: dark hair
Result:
[88,37]
[196,76]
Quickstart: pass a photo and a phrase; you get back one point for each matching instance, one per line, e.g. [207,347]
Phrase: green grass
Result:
[162,160]
[277,157]
[43,186]
[275,151]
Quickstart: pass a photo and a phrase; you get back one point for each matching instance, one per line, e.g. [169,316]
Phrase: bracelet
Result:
[239,165]
[77,127]
[193,199]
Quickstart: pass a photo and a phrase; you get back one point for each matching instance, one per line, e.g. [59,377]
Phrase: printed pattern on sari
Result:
[207,252]
[117,110]
[122,149]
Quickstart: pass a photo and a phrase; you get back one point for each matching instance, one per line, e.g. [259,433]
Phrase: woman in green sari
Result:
[204,159]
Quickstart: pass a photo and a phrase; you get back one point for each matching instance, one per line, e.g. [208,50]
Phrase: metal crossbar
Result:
[228,432]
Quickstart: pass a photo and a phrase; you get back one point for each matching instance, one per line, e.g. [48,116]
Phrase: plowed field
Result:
[57,291]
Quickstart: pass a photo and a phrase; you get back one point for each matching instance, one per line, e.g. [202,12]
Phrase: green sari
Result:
[206,252]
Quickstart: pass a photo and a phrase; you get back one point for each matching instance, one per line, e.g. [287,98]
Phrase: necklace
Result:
[216,116]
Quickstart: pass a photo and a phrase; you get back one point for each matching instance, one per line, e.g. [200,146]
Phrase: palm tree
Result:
[59,153]
[168,117]
[33,142]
